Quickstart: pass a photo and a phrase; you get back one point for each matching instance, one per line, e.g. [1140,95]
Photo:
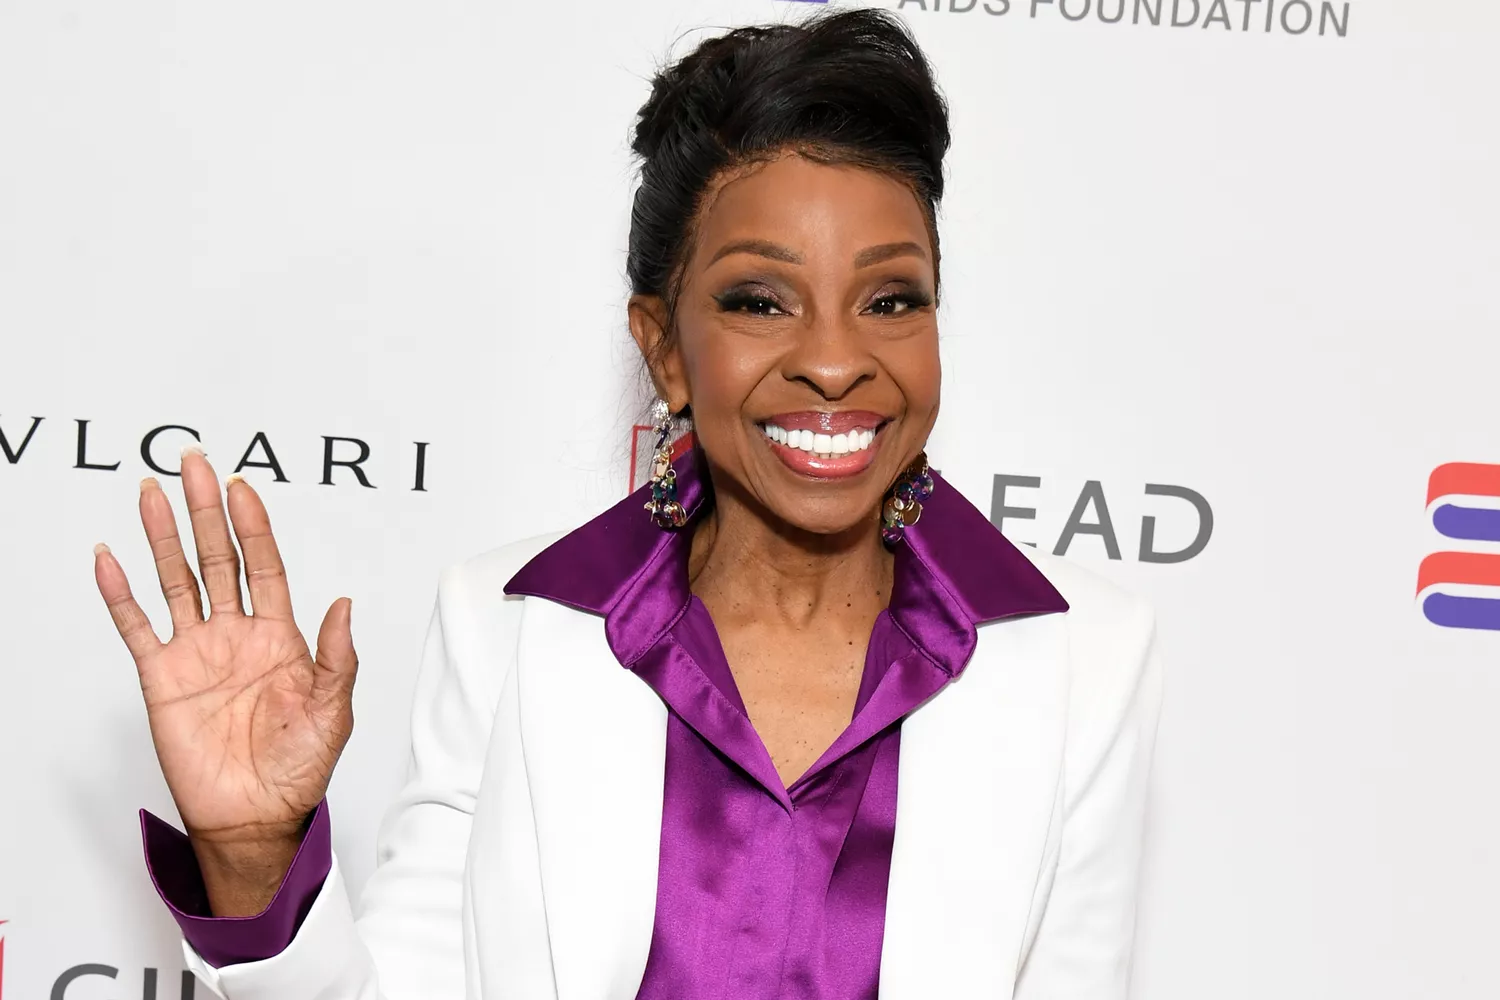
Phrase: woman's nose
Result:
[831,357]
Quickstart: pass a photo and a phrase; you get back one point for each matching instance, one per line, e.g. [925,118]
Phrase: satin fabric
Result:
[222,941]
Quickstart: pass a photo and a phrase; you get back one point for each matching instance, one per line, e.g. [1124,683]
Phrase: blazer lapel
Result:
[594,738]
[979,770]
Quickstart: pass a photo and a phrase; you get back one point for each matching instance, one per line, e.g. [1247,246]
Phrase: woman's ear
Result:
[650,325]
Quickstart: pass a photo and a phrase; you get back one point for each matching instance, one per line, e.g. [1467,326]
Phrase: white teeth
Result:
[822,445]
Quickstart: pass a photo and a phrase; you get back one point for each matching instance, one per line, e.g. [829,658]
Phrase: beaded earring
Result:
[903,504]
[663,505]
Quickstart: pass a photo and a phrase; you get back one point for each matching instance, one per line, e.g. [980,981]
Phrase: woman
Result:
[772,736]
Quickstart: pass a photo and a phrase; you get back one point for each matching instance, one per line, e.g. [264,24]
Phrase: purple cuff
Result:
[232,940]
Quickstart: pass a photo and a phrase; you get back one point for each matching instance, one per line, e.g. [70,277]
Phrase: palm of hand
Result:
[242,742]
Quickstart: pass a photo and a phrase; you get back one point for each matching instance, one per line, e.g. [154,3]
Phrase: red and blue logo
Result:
[1462,589]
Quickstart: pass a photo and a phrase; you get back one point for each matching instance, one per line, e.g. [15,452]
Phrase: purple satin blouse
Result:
[764,892]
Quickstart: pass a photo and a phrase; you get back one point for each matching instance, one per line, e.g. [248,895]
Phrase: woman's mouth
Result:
[825,445]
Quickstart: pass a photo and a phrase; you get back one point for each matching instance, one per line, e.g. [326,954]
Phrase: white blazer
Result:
[520,862]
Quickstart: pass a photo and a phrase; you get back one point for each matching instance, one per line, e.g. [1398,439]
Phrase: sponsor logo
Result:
[1265,17]
[1461,589]
[148,982]
[340,461]
[61,985]
[1090,515]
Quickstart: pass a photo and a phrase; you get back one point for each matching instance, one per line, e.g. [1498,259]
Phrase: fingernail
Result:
[195,448]
[100,549]
[234,477]
[150,483]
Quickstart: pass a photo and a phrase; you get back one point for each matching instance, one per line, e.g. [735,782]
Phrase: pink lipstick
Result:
[825,445]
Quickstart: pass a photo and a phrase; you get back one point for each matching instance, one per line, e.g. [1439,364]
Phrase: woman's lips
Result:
[825,445]
[834,467]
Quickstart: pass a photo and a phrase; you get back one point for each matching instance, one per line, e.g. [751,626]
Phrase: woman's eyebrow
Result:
[775,251]
[761,248]
[885,251]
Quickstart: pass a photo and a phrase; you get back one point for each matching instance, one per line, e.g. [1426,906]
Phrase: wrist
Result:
[242,871]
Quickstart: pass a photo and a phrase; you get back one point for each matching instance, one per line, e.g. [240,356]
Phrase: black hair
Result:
[848,87]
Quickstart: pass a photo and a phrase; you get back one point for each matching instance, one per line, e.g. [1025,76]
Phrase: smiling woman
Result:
[776,738]
[814,313]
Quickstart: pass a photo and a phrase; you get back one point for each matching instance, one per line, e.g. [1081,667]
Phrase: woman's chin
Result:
[833,521]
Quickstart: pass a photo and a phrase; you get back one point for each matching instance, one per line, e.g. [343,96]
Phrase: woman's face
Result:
[806,339]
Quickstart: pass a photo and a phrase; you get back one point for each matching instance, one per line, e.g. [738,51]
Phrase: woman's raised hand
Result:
[247,723]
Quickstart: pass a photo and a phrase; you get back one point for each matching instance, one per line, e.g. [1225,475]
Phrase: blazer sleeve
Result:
[407,942]
[1084,940]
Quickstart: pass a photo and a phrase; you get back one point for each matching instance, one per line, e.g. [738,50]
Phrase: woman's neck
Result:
[743,561]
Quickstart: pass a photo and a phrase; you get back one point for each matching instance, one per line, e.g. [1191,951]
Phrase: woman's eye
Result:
[891,305]
[755,305]
[760,307]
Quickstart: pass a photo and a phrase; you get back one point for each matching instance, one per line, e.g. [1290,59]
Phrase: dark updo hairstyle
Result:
[846,87]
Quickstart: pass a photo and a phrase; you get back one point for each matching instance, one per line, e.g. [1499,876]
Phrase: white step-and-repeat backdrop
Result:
[1221,323]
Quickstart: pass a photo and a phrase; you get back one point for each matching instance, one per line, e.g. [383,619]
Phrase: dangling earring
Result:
[903,504]
[663,505]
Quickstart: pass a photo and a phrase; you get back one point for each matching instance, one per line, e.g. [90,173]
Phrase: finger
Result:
[178,584]
[335,661]
[264,572]
[218,559]
[131,622]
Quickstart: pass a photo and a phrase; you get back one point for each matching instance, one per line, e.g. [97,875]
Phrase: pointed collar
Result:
[954,572]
